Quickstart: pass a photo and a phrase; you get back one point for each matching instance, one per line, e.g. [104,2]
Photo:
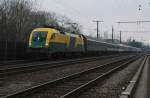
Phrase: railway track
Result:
[16,63]
[10,70]
[72,85]
[22,61]
[12,62]
[26,61]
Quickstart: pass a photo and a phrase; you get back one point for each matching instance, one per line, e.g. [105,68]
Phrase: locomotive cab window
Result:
[39,36]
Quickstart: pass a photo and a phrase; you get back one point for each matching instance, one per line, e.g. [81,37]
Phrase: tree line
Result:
[19,17]
[138,44]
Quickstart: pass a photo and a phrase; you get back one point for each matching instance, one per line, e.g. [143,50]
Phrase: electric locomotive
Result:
[49,41]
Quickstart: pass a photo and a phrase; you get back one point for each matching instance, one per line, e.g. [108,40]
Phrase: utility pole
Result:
[97,21]
[112,34]
[120,36]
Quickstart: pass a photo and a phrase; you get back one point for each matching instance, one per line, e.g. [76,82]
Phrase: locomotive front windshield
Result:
[39,36]
[38,39]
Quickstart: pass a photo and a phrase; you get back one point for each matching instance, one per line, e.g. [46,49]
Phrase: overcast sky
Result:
[110,11]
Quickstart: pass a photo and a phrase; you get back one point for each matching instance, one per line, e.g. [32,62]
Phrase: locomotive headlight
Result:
[46,44]
[29,44]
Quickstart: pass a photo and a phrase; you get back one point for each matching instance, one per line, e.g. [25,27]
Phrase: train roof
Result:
[45,29]
[117,45]
[102,42]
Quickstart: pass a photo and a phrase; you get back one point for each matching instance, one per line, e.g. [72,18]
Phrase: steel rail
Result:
[60,80]
[93,82]
[40,66]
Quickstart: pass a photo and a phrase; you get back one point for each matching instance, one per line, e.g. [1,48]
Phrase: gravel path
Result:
[113,86]
[17,82]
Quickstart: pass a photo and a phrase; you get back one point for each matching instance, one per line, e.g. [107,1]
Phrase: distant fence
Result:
[12,50]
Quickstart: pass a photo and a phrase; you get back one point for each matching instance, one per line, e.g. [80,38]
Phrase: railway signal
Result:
[140,7]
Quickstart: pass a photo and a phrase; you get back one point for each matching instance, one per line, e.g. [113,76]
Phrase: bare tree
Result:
[19,17]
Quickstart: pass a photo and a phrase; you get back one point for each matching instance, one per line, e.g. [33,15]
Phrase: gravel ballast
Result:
[18,82]
[114,85]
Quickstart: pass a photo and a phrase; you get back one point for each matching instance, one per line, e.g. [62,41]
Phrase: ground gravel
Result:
[18,82]
[114,85]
